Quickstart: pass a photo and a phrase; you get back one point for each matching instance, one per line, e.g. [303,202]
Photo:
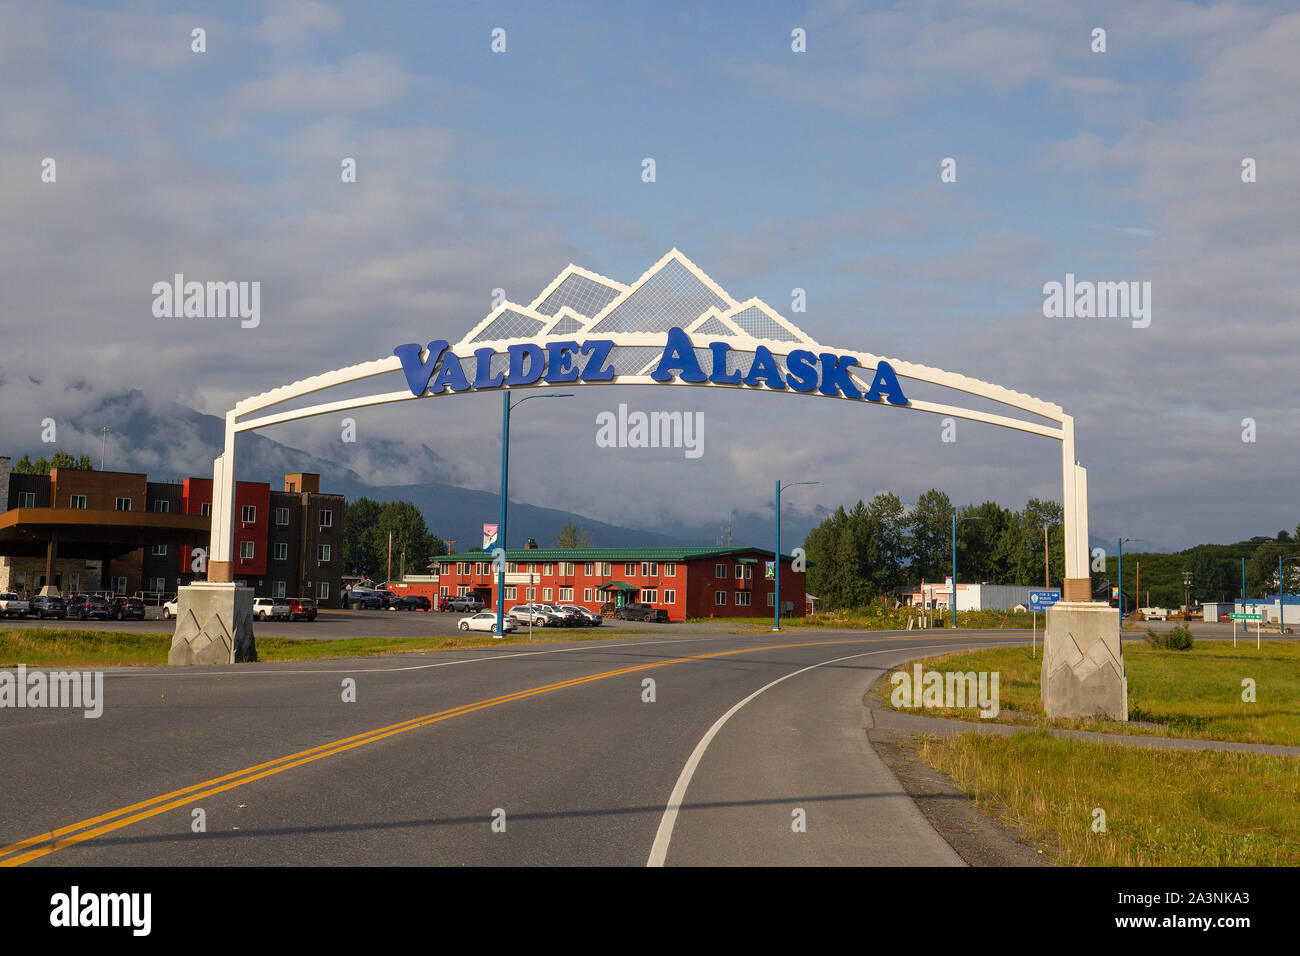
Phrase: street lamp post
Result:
[506,407]
[776,558]
[1122,542]
[1187,596]
[956,522]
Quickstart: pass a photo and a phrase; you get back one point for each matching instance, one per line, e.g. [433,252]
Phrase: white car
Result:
[11,605]
[171,608]
[486,621]
[277,608]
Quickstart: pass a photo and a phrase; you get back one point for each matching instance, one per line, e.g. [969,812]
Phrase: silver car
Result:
[587,617]
[535,615]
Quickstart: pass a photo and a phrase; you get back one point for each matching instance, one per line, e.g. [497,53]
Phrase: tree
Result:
[929,526]
[366,530]
[572,536]
[60,459]
[360,520]
[1261,570]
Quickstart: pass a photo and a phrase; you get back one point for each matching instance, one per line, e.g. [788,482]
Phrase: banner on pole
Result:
[489,536]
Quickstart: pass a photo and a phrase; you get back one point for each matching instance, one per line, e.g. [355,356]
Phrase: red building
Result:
[685,582]
[252,521]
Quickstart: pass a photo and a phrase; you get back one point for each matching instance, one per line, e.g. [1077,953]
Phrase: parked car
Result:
[83,606]
[590,618]
[11,605]
[302,609]
[120,608]
[466,602]
[49,605]
[276,608]
[486,621]
[533,614]
[386,597]
[444,603]
[170,608]
[363,598]
[411,602]
[641,612]
[566,618]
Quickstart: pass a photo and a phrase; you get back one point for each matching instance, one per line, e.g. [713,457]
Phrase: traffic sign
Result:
[1245,617]
[1042,600]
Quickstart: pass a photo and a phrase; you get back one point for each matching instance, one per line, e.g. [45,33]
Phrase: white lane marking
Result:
[381,670]
[664,835]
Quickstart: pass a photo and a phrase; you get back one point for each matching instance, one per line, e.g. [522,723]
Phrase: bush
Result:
[1177,639]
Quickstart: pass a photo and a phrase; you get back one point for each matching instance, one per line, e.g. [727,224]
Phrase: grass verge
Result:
[1162,808]
[58,647]
[1195,694]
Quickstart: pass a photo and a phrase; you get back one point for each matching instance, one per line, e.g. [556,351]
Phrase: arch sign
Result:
[672,326]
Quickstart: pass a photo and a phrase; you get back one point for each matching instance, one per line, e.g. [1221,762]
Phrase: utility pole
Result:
[1137,584]
[390,558]
[1046,553]
[103,442]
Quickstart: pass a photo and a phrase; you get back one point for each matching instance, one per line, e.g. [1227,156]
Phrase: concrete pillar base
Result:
[1083,665]
[214,625]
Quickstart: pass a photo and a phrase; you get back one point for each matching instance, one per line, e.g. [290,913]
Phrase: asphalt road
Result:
[557,741]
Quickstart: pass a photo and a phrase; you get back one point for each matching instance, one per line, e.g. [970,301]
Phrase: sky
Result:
[776,169]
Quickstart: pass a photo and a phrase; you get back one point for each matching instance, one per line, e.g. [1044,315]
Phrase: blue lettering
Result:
[679,354]
[720,375]
[484,377]
[835,375]
[560,368]
[886,383]
[595,370]
[451,374]
[536,364]
[418,372]
[764,369]
[801,370]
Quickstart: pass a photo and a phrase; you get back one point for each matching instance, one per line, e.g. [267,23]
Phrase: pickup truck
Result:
[466,603]
[11,605]
[277,608]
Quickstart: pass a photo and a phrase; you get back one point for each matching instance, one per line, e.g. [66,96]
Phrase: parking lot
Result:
[330,625]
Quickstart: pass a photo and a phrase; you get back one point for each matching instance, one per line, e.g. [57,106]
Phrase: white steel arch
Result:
[635,325]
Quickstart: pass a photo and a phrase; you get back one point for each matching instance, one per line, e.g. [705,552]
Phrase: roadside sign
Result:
[1245,617]
[1042,600]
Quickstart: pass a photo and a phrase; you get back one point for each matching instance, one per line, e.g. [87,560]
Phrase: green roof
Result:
[621,585]
[579,555]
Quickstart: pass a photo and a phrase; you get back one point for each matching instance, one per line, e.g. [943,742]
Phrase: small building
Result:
[970,597]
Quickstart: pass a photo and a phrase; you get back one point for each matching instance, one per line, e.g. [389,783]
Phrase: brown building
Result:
[118,531]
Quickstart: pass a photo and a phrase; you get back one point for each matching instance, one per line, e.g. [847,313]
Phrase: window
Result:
[248,514]
[649,595]
[279,589]
[719,597]
[548,568]
[742,598]
[512,593]
[162,505]
[460,568]
[323,553]
[123,504]
[20,580]
[282,551]
[444,592]
[532,594]
[608,569]
[159,550]
[27,499]
[546,594]
[532,568]
[645,569]
[74,582]
[446,568]
[654,569]
[326,518]
[720,570]
[566,595]
[588,569]
[323,590]
[512,567]
[158,584]
[588,595]
[629,570]
[771,599]
[670,569]
[670,596]
[205,509]
[119,585]
[462,590]
[78,502]
[749,572]
[282,516]
[246,549]
[566,569]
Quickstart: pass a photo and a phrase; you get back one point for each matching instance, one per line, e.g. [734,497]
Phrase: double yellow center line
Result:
[44,844]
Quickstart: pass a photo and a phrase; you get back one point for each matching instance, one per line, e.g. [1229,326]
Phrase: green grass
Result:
[1194,694]
[876,618]
[55,647]
[1163,808]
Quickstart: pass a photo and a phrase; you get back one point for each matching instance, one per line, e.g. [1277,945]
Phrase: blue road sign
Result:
[1042,600]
